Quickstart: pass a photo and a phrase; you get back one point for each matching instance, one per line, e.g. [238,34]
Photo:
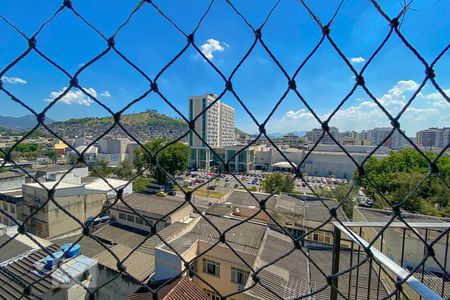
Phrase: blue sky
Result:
[149,41]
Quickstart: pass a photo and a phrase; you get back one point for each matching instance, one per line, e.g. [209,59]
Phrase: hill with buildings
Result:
[144,126]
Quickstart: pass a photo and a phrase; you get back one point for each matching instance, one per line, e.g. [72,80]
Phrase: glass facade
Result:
[204,121]
[243,157]
[191,112]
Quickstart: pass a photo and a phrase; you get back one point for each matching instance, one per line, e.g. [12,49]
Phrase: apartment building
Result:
[314,135]
[215,127]
[433,137]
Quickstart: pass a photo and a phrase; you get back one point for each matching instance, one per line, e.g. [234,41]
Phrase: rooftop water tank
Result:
[74,251]
[51,261]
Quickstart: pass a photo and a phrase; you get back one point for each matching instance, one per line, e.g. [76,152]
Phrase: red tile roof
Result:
[185,289]
[182,288]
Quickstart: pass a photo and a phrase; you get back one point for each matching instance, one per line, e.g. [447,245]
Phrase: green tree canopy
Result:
[172,159]
[124,170]
[51,154]
[399,173]
[278,182]
[102,169]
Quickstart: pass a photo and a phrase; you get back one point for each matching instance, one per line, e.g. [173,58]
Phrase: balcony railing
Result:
[391,250]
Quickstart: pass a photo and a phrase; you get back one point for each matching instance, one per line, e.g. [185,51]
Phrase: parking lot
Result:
[226,183]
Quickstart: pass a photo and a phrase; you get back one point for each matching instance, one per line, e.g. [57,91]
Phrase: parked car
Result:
[161,194]
[211,188]
[172,193]
[236,186]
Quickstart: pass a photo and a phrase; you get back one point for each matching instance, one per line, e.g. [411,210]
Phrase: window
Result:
[139,221]
[13,209]
[323,237]
[5,207]
[130,218]
[211,267]
[239,276]
[122,216]
[212,294]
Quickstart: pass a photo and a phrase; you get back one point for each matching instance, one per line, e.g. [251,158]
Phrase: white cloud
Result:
[212,46]
[357,60]
[74,97]
[427,110]
[105,94]
[14,80]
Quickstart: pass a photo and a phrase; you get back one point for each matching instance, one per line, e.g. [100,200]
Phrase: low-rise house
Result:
[220,266]
[158,211]
[296,214]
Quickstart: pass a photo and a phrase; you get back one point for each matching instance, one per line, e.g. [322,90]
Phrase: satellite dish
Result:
[238,210]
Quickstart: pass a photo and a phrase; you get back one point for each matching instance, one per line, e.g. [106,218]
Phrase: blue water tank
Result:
[51,261]
[105,219]
[74,251]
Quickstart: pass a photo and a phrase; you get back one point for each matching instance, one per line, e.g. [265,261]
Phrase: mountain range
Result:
[20,123]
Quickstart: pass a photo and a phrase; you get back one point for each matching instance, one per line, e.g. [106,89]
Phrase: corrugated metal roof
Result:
[139,265]
[296,274]
[117,235]
[10,248]
[245,237]
[17,275]
[89,246]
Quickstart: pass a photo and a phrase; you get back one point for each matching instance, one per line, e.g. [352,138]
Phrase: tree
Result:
[340,194]
[51,154]
[73,159]
[277,182]
[396,175]
[172,159]
[102,169]
[124,170]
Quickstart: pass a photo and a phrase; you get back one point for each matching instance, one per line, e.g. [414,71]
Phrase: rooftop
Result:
[100,185]
[245,237]
[244,198]
[138,265]
[181,288]
[297,274]
[11,248]
[9,174]
[20,273]
[88,245]
[151,203]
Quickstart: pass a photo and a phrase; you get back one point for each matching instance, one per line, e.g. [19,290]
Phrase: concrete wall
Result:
[51,221]
[167,265]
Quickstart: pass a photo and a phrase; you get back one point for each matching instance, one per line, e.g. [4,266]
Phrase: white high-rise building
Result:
[215,127]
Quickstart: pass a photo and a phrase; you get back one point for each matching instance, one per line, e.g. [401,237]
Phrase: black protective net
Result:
[361,263]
